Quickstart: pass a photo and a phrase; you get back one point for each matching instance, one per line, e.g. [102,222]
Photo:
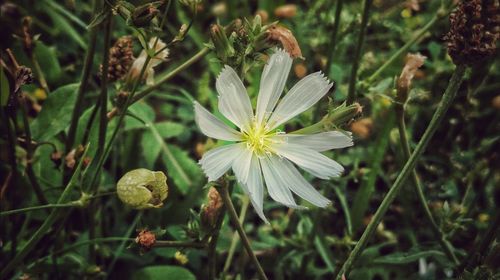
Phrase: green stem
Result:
[446,246]
[212,244]
[475,257]
[351,96]
[39,73]
[333,37]
[233,216]
[404,48]
[437,118]
[33,208]
[47,224]
[29,155]
[170,75]
[235,239]
[87,68]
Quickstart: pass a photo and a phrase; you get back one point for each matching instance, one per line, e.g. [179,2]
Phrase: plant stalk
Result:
[405,146]
[351,95]
[233,217]
[437,118]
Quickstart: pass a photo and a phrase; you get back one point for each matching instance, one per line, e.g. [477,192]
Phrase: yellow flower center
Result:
[258,139]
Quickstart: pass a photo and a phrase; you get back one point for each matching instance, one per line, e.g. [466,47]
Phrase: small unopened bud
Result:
[223,48]
[286,11]
[143,15]
[146,239]
[219,9]
[413,62]
[495,102]
[284,36]
[362,128]
[211,211]
[142,188]
[300,70]
[181,258]
[121,99]
[344,113]
[264,15]
[56,157]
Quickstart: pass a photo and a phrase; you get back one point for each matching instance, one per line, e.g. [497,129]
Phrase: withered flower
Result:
[474,31]
[210,212]
[284,36]
[413,62]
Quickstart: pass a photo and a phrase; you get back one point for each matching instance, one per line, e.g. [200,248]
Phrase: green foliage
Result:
[97,240]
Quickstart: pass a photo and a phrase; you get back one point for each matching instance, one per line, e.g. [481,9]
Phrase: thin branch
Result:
[233,216]
[448,97]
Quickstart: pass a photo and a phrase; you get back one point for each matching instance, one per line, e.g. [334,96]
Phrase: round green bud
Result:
[142,188]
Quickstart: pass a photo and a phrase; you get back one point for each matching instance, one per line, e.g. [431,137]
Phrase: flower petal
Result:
[255,188]
[276,187]
[234,102]
[319,142]
[241,167]
[272,83]
[217,161]
[294,180]
[312,161]
[212,126]
[301,97]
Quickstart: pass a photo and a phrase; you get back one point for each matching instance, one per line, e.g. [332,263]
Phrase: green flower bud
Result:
[142,188]
[222,46]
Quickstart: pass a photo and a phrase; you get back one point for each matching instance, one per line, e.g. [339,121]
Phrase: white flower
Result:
[261,152]
[136,68]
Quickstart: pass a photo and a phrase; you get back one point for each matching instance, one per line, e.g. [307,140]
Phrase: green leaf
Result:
[56,113]
[162,272]
[143,112]
[47,58]
[181,168]
[65,26]
[169,129]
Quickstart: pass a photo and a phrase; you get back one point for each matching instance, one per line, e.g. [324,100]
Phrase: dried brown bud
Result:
[286,11]
[474,31]
[495,102]
[285,37]
[300,70]
[56,157]
[413,62]
[120,58]
[143,15]
[362,128]
[24,76]
[210,212]
[146,239]
[264,15]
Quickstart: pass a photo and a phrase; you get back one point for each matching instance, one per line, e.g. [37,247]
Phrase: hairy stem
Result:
[233,217]
[437,118]
[405,146]
[351,95]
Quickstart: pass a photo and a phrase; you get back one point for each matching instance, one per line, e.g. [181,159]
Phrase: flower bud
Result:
[144,14]
[142,188]
[286,11]
[181,258]
[223,48]
[344,113]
